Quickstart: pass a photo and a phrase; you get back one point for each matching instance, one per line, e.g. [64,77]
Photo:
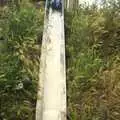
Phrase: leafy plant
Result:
[19,61]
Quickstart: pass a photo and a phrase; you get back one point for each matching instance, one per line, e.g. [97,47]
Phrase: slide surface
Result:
[52,105]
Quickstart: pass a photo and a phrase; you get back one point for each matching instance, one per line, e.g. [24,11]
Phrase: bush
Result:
[92,52]
[21,31]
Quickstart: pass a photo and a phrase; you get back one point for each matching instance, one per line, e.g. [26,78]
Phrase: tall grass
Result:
[93,69]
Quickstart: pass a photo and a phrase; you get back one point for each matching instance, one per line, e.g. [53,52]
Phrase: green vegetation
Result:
[93,63]
[92,58]
[20,33]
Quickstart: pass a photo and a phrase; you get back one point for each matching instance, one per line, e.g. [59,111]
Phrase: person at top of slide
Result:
[56,4]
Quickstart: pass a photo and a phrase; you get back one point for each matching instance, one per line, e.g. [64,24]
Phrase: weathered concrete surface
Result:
[51,104]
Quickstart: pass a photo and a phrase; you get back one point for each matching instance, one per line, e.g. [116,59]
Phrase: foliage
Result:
[93,69]
[20,33]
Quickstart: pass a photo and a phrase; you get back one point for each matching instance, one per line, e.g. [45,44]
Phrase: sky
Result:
[89,1]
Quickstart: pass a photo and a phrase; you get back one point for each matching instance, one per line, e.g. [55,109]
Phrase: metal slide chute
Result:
[51,103]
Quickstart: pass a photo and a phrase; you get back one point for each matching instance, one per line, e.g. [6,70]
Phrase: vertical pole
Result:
[51,103]
[68,4]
